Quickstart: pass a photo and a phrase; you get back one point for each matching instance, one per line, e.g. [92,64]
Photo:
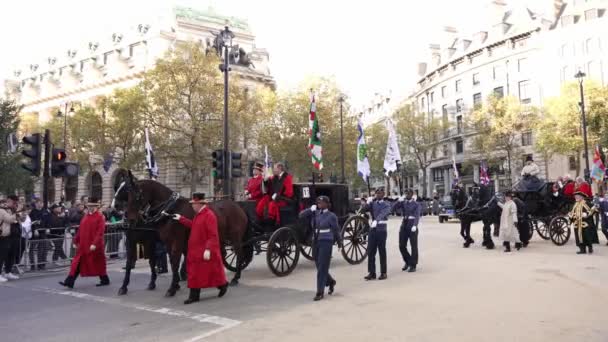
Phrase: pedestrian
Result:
[58,222]
[411,211]
[38,243]
[90,260]
[581,217]
[26,234]
[204,260]
[523,223]
[603,209]
[379,208]
[7,220]
[15,238]
[508,222]
[326,232]
[435,204]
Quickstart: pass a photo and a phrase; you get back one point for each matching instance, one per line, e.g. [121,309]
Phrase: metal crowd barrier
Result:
[52,248]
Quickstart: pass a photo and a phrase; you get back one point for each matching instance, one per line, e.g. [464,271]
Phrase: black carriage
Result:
[547,213]
[284,245]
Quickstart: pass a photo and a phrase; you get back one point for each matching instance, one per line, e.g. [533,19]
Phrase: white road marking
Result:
[222,322]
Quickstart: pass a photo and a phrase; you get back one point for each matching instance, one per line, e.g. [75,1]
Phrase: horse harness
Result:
[154,215]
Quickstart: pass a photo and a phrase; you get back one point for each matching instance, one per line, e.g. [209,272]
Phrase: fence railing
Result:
[53,248]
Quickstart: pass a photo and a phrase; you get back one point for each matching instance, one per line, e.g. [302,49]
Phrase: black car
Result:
[446,210]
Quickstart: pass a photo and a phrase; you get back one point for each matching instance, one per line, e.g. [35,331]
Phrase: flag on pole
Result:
[314,136]
[484,176]
[456,176]
[150,161]
[598,171]
[393,156]
[267,162]
[363,167]
[107,162]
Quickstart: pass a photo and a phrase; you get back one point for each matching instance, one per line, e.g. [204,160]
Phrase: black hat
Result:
[581,194]
[258,166]
[94,202]
[55,206]
[13,198]
[380,189]
[199,197]
[324,198]
[509,193]
[529,158]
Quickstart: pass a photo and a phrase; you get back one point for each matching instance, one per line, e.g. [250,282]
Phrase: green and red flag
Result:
[315,150]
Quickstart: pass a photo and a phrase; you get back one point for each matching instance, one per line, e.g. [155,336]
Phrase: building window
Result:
[458,86]
[105,57]
[499,92]
[459,147]
[563,51]
[476,79]
[477,100]
[438,175]
[591,14]
[434,153]
[445,150]
[459,124]
[522,65]
[565,74]
[444,92]
[572,162]
[422,104]
[459,105]
[524,92]
[593,70]
[526,139]
[498,72]
[444,111]
[567,20]
[432,97]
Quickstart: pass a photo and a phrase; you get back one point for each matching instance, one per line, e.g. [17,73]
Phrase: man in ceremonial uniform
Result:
[90,259]
[410,211]
[279,191]
[584,228]
[603,209]
[254,189]
[204,260]
[326,232]
[379,209]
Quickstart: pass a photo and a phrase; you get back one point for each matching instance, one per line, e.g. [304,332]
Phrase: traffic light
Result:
[34,153]
[58,159]
[218,164]
[235,161]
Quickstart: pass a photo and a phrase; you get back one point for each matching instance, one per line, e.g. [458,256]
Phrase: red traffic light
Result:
[59,155]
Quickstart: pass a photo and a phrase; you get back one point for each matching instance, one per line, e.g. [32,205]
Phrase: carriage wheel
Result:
[559,230]
[542,228]
[229,256]
[283,251]
[306,251]
[354,237]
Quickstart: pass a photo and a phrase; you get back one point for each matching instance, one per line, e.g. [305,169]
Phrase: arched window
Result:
[120,175]
[95,185]
[71,188]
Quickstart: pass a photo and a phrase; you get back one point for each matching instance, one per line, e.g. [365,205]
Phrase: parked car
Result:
[446,210]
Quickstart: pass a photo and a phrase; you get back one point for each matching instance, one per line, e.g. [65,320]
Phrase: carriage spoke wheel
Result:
[354,237]
[283,251]
[229,256]
[559,230]
[542,228]
[306,250]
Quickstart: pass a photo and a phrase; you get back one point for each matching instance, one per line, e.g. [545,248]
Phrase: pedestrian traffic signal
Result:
[235,161]
[218,164]
[58,159]
[34,153]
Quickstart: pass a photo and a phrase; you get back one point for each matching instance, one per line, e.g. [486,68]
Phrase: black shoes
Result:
[518,245]
[66,284]
[318,297]
[223,289]
[104,281]
[404,268]
[590,249]
[382,276]
[412,269]
[331,288]
[371,276]
[191,300]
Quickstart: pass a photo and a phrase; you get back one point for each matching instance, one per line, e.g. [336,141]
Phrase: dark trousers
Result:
[39,247]
[58,248]
[376,243]
[405,235]
[605,225]
[22,245]
[322,252]
[6,262]
[13,252]
[523,228]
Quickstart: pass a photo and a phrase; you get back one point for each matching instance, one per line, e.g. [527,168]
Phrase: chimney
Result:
[435,51]
[465,44]
[480,37]
[422,67]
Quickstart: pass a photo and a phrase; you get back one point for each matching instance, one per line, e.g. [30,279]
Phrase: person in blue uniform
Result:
[379,209]
[410,210]
[603,209]
[326,232]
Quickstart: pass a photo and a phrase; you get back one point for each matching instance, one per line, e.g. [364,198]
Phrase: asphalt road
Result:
[542,293]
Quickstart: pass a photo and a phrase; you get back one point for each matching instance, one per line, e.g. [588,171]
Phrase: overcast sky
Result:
[369,46]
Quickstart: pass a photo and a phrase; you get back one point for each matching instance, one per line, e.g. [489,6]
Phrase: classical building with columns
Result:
[523,52]
[119,60]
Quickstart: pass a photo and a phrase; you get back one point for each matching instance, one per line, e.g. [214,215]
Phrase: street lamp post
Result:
[580,76]
[341,100]
[65,140]
[226,36]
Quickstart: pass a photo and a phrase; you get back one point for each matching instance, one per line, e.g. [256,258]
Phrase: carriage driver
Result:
[530,173]
[326,232]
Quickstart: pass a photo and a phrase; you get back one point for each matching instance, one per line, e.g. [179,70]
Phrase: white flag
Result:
[363,167]
[150,161]
[393,156]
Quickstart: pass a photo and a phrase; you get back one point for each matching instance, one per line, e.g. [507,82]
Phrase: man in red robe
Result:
[90,260]
[204,261]
[254,188]
[280,190]
[569,187]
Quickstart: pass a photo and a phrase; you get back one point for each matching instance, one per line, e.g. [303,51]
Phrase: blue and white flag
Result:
[150,161]
[393,156]
[456,175]
[363,167]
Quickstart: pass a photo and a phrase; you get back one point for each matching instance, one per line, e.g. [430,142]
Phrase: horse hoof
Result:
[234,282]
[151,287]
[122,291]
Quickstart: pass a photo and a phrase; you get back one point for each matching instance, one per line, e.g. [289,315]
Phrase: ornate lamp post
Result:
[580,76]
[226,37]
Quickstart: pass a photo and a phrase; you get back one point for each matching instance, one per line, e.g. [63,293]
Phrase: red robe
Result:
[585,188]
[204,235]
[90,232]
[569,189]
[284,191]
[254,187]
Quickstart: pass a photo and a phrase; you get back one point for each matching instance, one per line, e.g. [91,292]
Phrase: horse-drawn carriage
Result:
[283,245]
[547,209]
